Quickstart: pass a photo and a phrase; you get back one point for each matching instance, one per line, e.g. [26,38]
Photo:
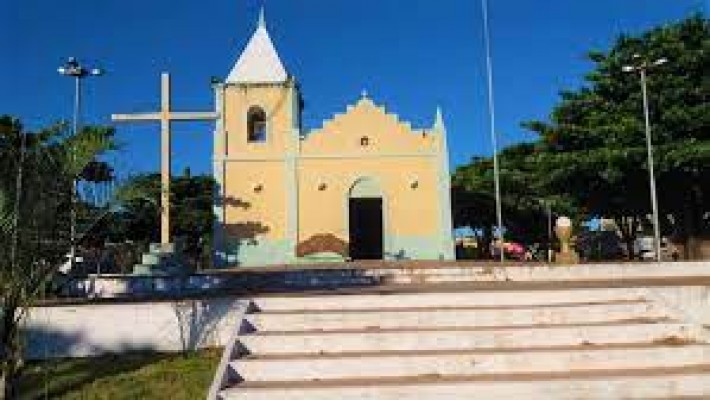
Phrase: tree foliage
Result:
[591,153]
[191,216]
[524,200]
[36,174]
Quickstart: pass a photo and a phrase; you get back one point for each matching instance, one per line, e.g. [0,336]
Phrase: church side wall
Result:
[411,200]
[444,191]
[256,213]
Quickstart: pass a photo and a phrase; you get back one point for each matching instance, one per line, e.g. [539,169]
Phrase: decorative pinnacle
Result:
[364,94]
[262,19]
[439,119]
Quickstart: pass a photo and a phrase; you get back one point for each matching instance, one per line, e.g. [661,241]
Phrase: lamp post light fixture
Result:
[642,66]
[73,69]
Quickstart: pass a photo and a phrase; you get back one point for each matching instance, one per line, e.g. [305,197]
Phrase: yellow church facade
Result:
[365,185]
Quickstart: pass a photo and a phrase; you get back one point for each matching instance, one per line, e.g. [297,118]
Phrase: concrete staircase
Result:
[601,341]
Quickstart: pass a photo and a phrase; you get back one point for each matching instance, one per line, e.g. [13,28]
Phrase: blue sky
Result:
[409,55]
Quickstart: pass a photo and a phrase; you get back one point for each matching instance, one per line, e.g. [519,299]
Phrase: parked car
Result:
[513,251]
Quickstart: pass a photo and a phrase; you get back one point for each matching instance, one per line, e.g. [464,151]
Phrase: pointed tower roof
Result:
[259,62]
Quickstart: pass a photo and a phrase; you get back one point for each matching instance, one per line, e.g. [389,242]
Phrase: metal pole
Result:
[549,232]
[494,137]
[18,199]
[72,217]
[651,172]
[77,71]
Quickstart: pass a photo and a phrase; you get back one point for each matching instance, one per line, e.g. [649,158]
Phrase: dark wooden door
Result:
[366,229]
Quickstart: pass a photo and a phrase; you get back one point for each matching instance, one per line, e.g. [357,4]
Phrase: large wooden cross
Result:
[165,116]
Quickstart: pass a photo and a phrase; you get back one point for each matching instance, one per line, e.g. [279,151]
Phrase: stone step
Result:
[376,319]
[467,339]
[569,274]
[405,276]
[666,383]
[444,299]
[359,366]
[544,273]
[469,331]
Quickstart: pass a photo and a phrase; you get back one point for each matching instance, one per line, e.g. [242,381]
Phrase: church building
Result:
[364,185]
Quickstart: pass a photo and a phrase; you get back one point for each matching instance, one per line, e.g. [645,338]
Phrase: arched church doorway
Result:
[365,220]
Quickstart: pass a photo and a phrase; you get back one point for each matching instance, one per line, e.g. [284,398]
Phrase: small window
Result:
[364,141]
[256,125]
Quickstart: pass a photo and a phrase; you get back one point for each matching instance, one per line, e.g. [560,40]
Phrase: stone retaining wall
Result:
[94,329]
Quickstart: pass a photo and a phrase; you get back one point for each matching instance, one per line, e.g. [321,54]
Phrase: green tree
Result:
[192,217]
[524,200]
[593,148]
[36,174]
[590,157]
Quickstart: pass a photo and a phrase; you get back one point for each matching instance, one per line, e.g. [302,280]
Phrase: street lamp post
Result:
[494,135]
[548,207]
[72,68]
[642,66]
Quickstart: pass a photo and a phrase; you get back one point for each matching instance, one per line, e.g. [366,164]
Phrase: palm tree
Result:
[36,171]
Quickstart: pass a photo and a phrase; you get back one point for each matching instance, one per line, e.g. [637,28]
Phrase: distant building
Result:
[365,185]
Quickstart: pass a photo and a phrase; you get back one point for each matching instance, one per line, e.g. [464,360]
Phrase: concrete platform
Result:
[393,276]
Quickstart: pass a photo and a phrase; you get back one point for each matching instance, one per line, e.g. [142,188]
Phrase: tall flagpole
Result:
[492,123]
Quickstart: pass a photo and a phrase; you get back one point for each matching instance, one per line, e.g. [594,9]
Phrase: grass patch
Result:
[125,376]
